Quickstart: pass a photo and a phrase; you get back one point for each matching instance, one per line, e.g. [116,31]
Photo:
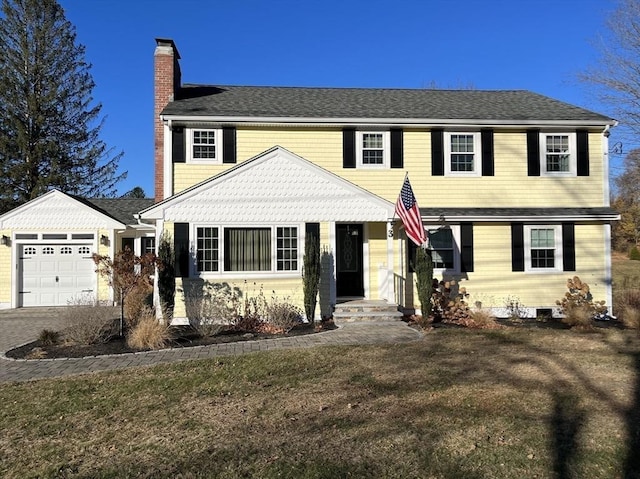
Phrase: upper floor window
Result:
[372,149]
[204,146]
[558,154]
[543,248]
[462,154]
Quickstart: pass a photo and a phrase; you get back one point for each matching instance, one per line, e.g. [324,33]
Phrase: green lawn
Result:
[517,402]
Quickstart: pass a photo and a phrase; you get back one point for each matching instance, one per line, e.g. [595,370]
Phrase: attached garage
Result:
[55,274]
[47,245]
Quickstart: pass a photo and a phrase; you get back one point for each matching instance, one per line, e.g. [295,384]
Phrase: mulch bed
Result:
[184,339]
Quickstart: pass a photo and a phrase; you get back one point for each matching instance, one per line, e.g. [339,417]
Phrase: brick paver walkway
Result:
[23,325]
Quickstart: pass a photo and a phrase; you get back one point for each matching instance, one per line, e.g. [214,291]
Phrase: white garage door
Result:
[54,274]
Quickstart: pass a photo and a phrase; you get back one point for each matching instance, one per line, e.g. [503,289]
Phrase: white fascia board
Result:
[532,218]
[108,221]
[406,122]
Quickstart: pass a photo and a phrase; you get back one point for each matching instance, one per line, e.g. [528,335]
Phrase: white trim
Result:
[16,244]
[477,154]
[606,191]
[167,186]
[217,160]
[523,218]
[366,269]
[457,250]
[390,293]
[384,122]
[608,278]
[557,239]
[222,273]
[573,158]
[386,149]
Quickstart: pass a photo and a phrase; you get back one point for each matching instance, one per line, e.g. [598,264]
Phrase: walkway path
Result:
[23,325]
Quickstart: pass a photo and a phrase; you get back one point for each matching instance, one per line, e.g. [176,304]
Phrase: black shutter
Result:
[533,152]
[582,146]
[487,152]
[229,145]
[466,247]
[181,249]
[568,247]
[437,152]
[517,247]
[349,148]
[177,145]
[412,249]
[396,149]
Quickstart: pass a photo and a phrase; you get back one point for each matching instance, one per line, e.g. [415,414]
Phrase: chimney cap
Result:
[168,42]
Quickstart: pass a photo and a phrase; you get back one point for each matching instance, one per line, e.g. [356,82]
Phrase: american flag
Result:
[408,211]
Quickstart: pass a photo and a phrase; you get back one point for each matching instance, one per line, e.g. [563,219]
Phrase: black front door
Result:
[349,271]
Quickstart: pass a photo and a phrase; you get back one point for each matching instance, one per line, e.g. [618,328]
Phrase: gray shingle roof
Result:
[370,103]
[121,209]
[497,214]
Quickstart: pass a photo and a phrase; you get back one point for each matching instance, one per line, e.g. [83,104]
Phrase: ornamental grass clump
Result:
[578,306]
[149,333]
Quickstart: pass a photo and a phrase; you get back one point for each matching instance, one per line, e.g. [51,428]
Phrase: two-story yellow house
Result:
[513,188]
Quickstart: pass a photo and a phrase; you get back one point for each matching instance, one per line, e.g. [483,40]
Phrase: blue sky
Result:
[538,45]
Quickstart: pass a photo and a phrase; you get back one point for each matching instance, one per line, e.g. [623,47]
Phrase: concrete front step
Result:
[366,311]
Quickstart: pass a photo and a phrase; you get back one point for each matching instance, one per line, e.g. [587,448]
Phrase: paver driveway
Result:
[19,326]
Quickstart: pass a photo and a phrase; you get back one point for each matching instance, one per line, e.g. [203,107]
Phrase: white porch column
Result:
[156,288]
[391,292]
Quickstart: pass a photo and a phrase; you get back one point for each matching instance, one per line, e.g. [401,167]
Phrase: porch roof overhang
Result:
[519,214]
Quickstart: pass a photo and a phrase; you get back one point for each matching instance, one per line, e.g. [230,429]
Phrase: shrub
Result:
[49,337]
[85,322]
[627,305]
[311,276]
[138,299]
[212,307]
[634,254]
[423,268]
[166,275]
[578,306]
[149,333]
[480,319]
[283,316]
[515,308]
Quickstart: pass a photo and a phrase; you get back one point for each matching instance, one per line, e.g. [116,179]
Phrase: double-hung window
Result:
[462,153]
[204,146]
[443,244]
[558,154]
[543,248]
[242,249]
[373,149]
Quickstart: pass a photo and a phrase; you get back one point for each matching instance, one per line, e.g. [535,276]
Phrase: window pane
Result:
[207,249]
[204,144]
[557,153]
[247,249]
[441,245]
[287,252]
[372,140]
[543,248]
[372,157]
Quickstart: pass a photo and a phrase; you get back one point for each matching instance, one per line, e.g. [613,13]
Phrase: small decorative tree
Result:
[423,268]
[125,273]
[166,275]
[311,276]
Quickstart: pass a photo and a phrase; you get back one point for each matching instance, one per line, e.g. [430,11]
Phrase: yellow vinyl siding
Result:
[510,187]
[5,270]
[493,281]
[104,289]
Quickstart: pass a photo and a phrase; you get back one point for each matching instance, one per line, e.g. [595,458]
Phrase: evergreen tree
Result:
[49,124]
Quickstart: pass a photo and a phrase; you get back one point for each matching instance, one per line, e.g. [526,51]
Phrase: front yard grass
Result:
[517,402]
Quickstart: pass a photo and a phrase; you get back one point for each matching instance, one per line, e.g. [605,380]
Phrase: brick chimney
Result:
[167,81]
